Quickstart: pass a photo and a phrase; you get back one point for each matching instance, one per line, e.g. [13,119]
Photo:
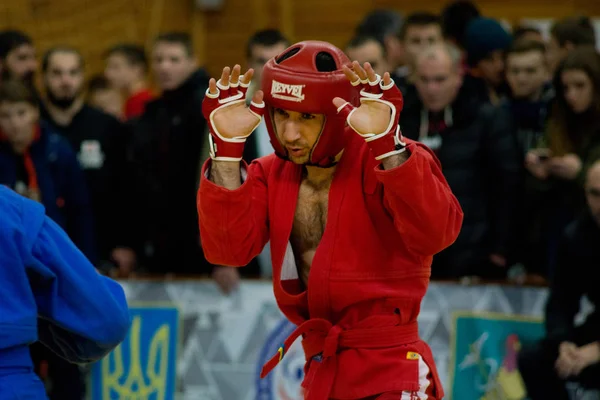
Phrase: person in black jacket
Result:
[479,159]
[99,142]
[168,147]
[570,352]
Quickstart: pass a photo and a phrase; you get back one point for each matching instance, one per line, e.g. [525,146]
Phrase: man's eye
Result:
[308,116]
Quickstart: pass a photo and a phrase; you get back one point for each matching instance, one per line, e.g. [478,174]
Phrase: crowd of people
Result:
[513,116]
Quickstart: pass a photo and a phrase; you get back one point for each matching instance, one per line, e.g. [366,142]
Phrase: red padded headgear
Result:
[292,81]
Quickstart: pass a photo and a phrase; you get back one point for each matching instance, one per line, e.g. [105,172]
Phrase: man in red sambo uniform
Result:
[354,214]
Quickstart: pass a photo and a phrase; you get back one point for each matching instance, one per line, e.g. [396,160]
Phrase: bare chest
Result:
[309,225]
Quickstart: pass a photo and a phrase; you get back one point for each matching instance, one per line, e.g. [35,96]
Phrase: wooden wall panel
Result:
[220,36]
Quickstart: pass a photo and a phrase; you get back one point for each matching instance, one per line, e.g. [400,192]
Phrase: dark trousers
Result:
[67,381]
[536,365]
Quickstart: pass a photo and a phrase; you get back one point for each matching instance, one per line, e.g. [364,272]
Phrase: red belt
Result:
[324,338]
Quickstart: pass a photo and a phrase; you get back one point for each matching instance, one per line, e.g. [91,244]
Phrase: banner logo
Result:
[143,366]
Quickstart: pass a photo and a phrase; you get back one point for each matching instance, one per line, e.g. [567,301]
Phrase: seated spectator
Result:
[485,44]
[368,49]
[566,35]
[127,70]
[569,352]
[571,143]
[527,33]
[479,159]
[103,96]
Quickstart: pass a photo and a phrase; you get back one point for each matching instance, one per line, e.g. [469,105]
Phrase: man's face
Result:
[419,37]
[17,122]
[578,89]
[371,52]
[592,192]
[260,55]
[172,65]
[437,81]
[21,63]
[297,132]
[492,68]
[526,73]
[119,72]
[64,79]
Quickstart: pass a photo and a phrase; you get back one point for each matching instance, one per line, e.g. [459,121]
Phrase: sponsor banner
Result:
[486,346]
[203,345]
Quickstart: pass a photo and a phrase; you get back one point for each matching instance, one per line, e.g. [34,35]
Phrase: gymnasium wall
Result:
[220,35]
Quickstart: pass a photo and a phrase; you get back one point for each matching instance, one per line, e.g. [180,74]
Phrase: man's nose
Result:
[291,131]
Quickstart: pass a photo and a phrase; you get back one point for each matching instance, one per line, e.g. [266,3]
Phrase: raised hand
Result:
[376,119]
[230,121]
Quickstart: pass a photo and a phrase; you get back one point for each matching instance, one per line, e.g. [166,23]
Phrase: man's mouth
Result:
[296,151]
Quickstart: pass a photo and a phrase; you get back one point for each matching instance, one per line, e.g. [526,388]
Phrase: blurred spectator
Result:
[567,34]
[455,18]
[41,165]
[531,93]
[385,25]
[100,144]
[570,145]
[18,58]
[127,70]
[166,159]
[368,49]
[260,48]
[527,33]
[103,96]
[569,352]
[420,30]
[485,44]
[479,159]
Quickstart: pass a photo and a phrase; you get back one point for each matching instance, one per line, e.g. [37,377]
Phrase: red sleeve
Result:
[233,223]
[424,209]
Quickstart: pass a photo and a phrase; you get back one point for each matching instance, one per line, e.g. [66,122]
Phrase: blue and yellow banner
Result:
[485,349]
[143,367]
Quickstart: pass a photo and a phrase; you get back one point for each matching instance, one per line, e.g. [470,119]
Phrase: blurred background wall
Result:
[220,34]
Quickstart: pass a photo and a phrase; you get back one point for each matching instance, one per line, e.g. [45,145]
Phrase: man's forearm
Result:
[395,160]
[226,174]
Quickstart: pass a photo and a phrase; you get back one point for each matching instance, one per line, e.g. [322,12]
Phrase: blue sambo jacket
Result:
[51,293]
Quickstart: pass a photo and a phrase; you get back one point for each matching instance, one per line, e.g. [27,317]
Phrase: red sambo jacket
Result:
[358,318]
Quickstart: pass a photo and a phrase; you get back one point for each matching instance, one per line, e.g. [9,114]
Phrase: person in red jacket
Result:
[354,214]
